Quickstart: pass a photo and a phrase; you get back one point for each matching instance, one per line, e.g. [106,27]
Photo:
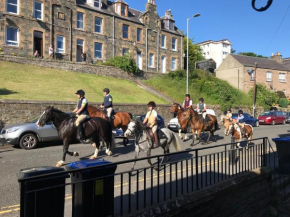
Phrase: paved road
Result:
[13,159]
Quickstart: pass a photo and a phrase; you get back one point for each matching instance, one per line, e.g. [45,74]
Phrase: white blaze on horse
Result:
[236,131]
[226,123]
[144,142]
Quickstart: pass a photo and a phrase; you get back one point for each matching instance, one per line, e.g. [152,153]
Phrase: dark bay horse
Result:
[235,130]
[94,128]
[121,119]
[197,124]
[182,120]
[138,130]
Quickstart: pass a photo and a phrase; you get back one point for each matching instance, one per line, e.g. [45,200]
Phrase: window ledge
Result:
[14,46]
[99,33]
[175,50]
[282,81]
[164,48]
[151,67]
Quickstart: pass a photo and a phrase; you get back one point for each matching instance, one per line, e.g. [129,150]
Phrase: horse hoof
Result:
[94,145]
[110,153]
[92,157]
[59,164]
[76,154]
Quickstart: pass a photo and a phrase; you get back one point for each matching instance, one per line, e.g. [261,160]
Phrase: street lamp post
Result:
[196,15]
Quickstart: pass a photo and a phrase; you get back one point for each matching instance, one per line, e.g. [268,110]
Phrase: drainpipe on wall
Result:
[71,14]
[181,52]
[113,36]
[157,68]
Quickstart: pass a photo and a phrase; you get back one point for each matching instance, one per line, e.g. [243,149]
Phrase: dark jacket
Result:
[108,101]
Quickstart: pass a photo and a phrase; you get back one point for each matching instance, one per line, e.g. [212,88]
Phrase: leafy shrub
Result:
[264,96]
[283,102]
[281,94]
[126,63]
[178,74]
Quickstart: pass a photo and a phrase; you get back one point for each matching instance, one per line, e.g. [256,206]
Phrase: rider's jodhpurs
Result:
[80,119]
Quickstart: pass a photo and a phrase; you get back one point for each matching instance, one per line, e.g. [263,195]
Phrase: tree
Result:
[233,51]
[251,54]
[194,54]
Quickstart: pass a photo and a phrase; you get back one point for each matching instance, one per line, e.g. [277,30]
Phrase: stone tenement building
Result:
[100,28]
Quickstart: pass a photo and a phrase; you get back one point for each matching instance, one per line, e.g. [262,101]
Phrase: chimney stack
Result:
[277,57]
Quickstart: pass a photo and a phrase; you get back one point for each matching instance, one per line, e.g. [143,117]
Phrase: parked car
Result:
[272,117]
[160,120]
[287,116]
[248,119]
[28,135]
[174,125]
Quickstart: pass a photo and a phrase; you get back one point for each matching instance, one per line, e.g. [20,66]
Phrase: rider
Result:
[187,102]
[201,109]
[241,121]
[81,112]
[108,105]
[229,115]
[151,118]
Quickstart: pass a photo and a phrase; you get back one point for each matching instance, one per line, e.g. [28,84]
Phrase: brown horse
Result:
[121,119]
[227,123]
[236,131]
[197,124]
[183,122]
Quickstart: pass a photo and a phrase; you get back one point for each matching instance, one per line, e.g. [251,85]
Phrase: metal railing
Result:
[188,171]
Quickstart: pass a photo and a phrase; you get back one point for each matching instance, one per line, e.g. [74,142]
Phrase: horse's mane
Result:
[140,127]
[181,108]
[93,108]
[59,112]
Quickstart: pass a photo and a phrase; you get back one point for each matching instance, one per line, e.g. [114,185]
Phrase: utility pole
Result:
[255,90]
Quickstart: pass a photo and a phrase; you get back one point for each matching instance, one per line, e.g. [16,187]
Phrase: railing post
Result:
[196,169]
[264,155]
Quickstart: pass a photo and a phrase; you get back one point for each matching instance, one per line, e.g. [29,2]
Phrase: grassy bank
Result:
[25,82]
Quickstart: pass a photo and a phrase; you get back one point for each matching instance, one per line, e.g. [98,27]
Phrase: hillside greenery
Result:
[212,89]
[26,82]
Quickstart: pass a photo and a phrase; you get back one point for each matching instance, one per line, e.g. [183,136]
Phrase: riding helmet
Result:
[107,90]
[151,103]
[201,99]
[241,112]
[187,95]
[80,92]
[229,110]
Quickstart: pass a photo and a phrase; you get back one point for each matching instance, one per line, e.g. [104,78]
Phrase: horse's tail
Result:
[130,114]
[176,143]
[252,132]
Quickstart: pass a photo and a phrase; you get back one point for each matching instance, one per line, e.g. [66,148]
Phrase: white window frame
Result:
[98,2]
[269,76]
[101,51]
[80,21]
[151,60]
[17,6]
[118,9]
[252,76]
[10,42]
[60,50]
[173,60]
[163,37]
[282,79]
[175,44]
[123,31]
[41,10]
[101,25]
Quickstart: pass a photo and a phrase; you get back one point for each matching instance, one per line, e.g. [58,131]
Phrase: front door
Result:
[80,49]
[139,60]
[163,64]
[37,43]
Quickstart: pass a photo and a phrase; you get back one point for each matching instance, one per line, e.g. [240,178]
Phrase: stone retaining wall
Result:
[245,195]
[18,111]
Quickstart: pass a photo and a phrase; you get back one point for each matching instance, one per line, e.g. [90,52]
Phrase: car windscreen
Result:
[267,113]
[33,120]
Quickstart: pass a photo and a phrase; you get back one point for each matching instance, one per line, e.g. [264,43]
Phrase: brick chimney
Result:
[150,6]
[277,57]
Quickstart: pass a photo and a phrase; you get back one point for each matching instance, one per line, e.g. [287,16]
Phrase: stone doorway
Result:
[38,43]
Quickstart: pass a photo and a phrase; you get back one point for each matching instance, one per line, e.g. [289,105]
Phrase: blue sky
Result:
[248,30]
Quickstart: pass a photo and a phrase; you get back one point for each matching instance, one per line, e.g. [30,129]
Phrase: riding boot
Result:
[156,144]
[111,120]
[81,132]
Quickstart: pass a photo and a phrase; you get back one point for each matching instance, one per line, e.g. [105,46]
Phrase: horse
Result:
[197,124]
[183,122]
[143,142]
[121,119]
[235,131]
[227,123]
[65,125]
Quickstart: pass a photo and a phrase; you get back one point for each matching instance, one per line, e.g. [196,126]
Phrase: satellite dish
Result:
[250,70]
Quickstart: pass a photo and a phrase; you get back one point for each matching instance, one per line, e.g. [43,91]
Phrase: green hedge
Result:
[283,102]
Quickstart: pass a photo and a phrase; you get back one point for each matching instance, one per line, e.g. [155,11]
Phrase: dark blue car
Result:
[249,119]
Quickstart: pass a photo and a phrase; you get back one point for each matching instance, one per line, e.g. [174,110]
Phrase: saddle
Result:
[112,114]
[150,136]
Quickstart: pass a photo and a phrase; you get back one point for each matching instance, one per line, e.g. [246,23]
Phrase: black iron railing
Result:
[188,171]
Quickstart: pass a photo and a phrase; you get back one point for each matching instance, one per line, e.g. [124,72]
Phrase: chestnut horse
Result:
[197,124]
[235,130]
[121,119]
[227,123]
[183,122]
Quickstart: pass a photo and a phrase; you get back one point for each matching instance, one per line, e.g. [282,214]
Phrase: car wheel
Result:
[28,141]
[257,124]
[273,122]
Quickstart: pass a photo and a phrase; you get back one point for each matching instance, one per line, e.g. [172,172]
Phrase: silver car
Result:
[28,135]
